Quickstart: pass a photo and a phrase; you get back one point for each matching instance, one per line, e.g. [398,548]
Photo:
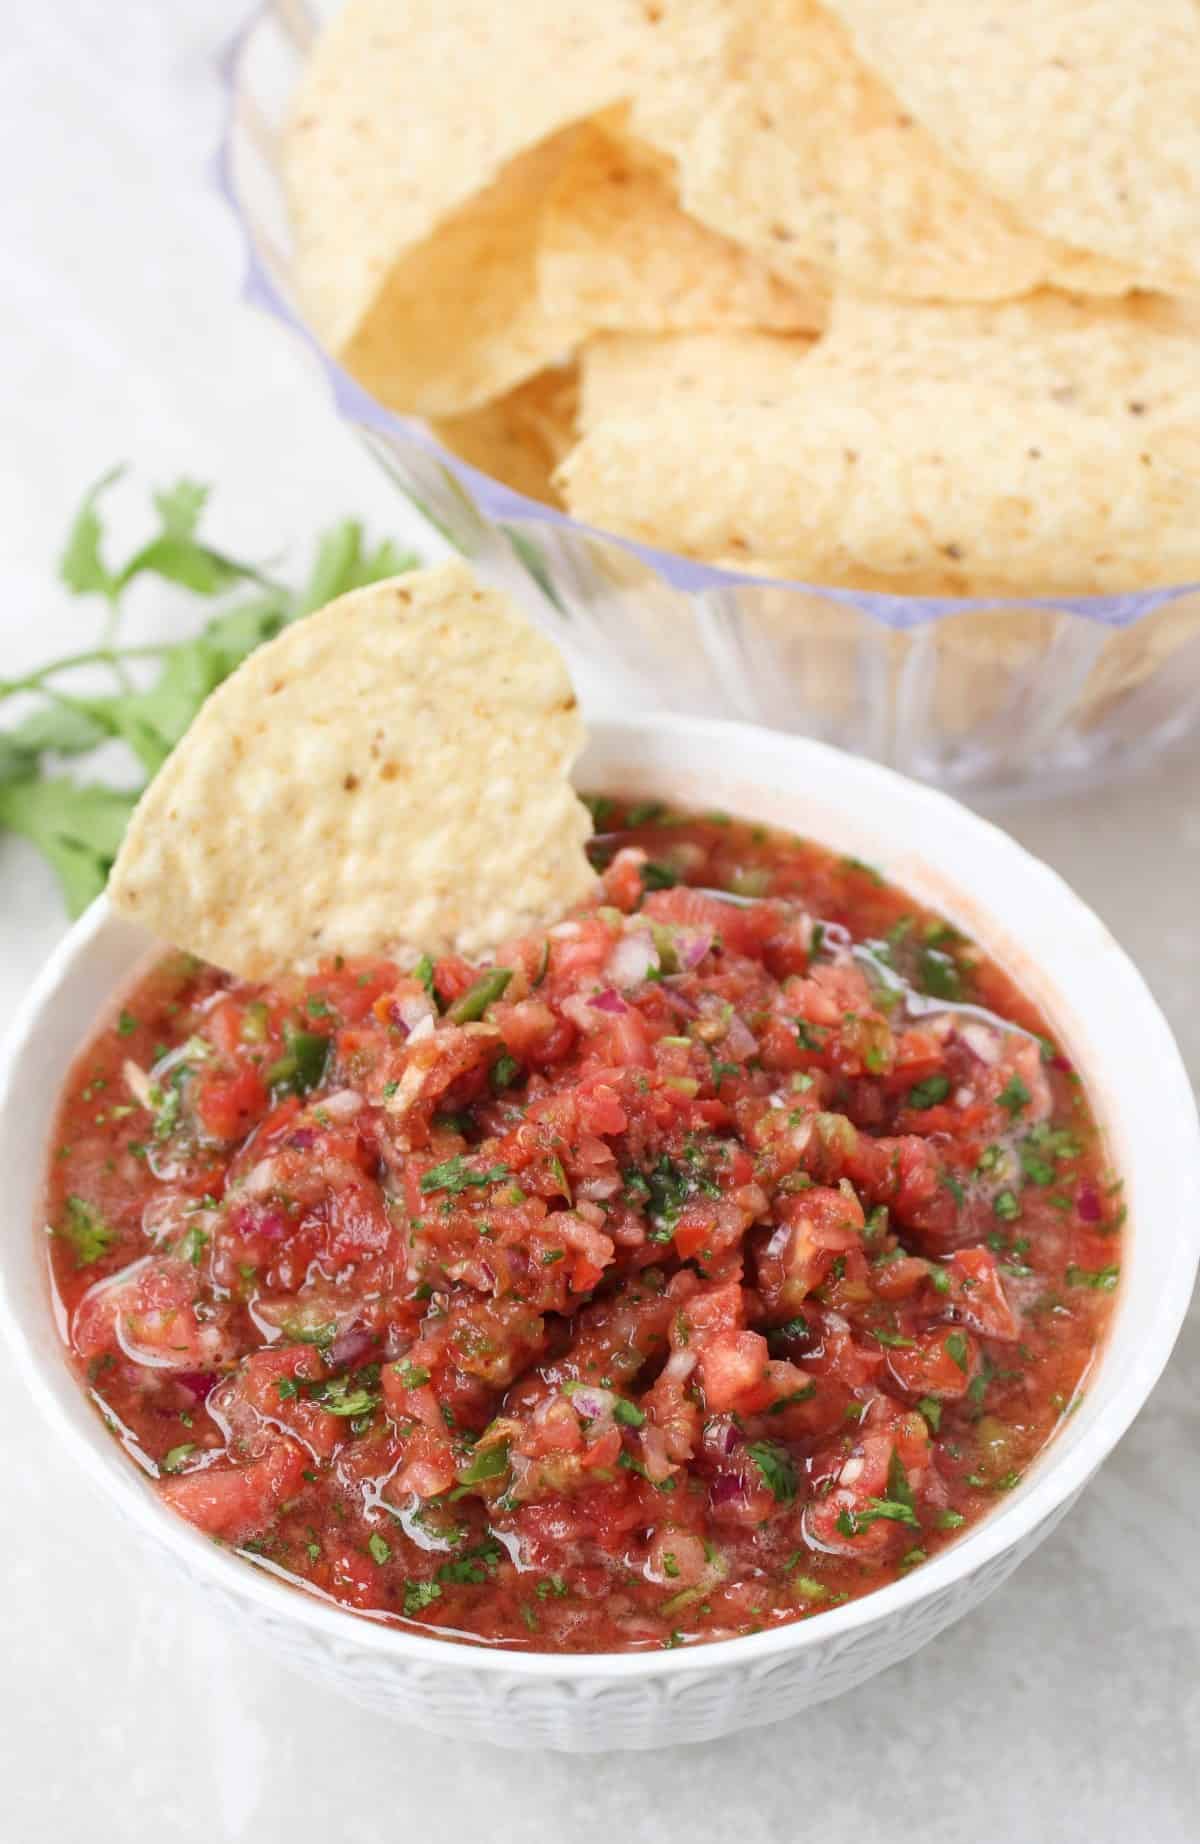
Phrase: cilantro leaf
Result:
[1014,1096]
[453,1175]
[16,764]
[657,876]
[1103,1280]
[341,563]
[777,1467]
[86,1231]
[418,1595]
[343,1396]
[927,1094]
[66,727]
[82,567]
[899,1490]
[179,507]
[77,826]
[473,1566]
[896,1510]
[956,1349]
[188,563]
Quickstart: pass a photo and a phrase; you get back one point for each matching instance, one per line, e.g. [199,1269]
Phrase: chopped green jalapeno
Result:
[474,1002]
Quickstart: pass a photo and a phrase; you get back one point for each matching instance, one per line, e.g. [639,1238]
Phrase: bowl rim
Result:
[1059,1472]
[499,502]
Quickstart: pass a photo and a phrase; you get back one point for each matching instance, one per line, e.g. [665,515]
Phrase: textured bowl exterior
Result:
[1098,1007]
[583,1711]
[1014,696]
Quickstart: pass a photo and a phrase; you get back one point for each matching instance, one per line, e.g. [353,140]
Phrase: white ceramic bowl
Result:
[1098,1007]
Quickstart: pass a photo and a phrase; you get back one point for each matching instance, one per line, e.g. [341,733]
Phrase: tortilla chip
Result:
[1099,356]
[409,109]
[389,772]
[460,320]
[1045,445]
[622,373]
[788,143]
[520,438]
[1084,115]
[618,252]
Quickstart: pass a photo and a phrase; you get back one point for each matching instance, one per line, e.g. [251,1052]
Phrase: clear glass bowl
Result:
[979,695]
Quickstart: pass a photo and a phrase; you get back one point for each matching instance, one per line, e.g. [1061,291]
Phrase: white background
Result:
[1067,1710]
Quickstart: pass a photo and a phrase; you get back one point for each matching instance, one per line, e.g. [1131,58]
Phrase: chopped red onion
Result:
[679,1001]
[981,1040]
[350,1346]
[246,1221]
[343,1104]
[739,1040]
[579,1010]
[411,1009]
[691,946]
[592,1404]
[633,959]
[609,1000]
[720,1436]
[605,1184]
[1087,1202]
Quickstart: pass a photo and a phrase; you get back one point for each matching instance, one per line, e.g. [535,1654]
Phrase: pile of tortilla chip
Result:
[902,294]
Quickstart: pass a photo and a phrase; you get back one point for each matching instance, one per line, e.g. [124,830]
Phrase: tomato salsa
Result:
[718,1254]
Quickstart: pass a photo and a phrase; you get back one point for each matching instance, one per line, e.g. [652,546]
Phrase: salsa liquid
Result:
[710,1259]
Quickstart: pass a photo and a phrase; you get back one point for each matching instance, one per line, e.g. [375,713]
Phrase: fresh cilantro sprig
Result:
[148,695]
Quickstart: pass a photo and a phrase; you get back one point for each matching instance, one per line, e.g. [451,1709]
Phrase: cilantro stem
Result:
[85,706]
[95,656]
[109,630]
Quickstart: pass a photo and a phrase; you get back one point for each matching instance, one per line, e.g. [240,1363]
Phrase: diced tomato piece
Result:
[977,1291]
[600,1110]
[237,1502]
[229,1105]
[271,1383]
[352,1576]
[733,1371]
[359,1221]
[352,989]
[427,1469]
[939,1363]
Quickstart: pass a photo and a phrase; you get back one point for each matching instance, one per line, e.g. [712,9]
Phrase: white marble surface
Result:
[1068,1711]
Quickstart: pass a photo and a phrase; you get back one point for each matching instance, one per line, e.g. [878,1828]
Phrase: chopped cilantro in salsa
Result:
[697,1269]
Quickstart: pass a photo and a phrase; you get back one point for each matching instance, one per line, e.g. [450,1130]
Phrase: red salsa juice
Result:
[719,1254]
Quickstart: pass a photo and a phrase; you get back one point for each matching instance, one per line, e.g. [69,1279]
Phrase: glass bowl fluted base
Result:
[981,696]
